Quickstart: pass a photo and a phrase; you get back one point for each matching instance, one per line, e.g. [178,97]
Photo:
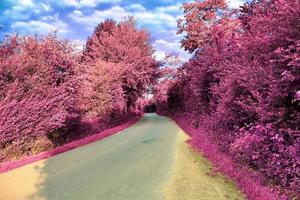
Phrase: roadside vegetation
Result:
[51,95]
[241,89]
[238,96]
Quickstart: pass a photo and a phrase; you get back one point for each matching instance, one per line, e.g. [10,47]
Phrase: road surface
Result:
[147,161]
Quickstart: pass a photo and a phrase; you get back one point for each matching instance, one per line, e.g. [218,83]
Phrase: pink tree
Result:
[102,92]
[123,44]
[38,88]
[242,84]
[199,18]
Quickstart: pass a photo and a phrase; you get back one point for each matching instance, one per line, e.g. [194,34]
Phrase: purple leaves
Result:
[49,92]
[33,104]
[241,88]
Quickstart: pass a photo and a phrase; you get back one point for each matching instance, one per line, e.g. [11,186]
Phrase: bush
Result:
[242,85]
[38,84]
[271,151]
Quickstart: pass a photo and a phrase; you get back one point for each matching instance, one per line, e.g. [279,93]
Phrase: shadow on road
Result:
[134,164]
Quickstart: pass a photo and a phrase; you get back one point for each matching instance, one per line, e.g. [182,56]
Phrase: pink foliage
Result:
[50,92]
[267,150]
[127,48]
[241,88]
[198,18]
[102,92]
[248,181]
[38,88]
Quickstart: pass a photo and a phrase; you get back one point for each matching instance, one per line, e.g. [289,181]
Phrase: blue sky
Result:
[76,19]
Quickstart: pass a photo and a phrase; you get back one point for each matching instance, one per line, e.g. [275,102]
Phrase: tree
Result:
[243,83]
[197,23]
[102,91]
[38,84]
[125,45]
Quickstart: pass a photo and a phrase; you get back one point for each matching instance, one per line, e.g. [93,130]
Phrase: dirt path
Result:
[149,160]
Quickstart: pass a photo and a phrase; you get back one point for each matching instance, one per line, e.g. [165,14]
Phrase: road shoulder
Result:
[192,178]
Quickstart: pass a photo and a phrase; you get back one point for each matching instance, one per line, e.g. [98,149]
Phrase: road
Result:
[140,163]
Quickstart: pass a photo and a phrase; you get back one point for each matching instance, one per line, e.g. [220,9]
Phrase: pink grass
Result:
[249,182]
[8,166]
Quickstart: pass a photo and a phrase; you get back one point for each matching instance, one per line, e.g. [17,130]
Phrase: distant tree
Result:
[199,16]
[126,46]
[102,90]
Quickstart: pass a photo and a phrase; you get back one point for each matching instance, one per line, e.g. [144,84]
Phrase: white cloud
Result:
[116,12]
[23,3]
[169,9]
[83,3]
[78,45]
[235,3]
[43,26]
[159,55]
[157,18]
[171,46]
[46,7]
[136,7]
[24,9]
[144,17]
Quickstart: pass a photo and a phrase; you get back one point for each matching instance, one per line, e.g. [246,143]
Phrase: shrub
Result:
[271,151]
[242,85]
[38,88]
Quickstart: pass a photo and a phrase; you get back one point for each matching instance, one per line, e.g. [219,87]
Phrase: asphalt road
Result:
[135,164]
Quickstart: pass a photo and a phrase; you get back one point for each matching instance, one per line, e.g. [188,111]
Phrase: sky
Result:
[75,20]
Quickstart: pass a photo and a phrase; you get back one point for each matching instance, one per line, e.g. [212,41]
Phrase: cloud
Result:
[25,9]
[116,12]
[136,8]
[83,3]
[169,46]
[43,26]
[78,45]
[235,3]
[158,18]
[23,3]
[46,7]
[169,9]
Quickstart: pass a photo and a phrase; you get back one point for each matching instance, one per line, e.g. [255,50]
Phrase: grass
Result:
[192,177]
